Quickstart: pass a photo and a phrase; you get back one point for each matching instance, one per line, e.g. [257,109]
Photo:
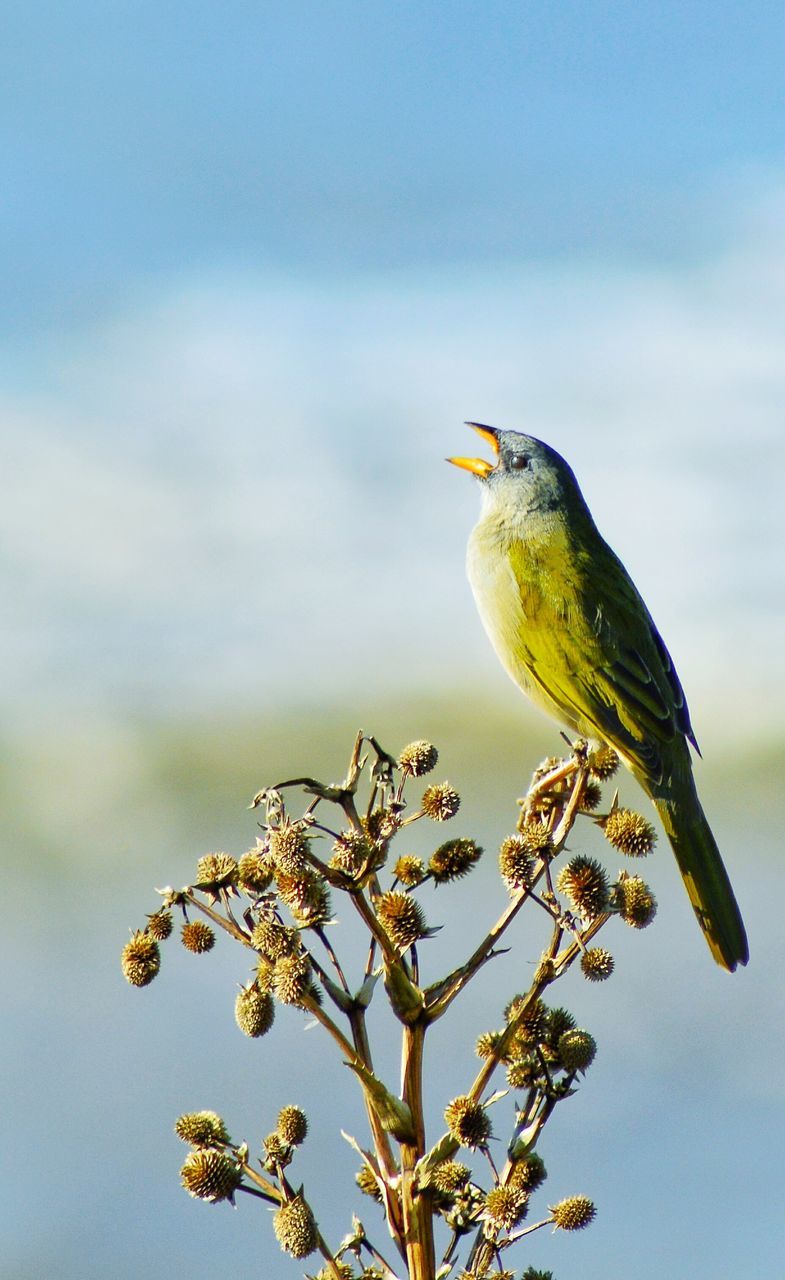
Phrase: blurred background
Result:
[260,263]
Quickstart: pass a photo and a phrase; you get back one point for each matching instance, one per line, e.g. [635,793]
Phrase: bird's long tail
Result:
[704,874]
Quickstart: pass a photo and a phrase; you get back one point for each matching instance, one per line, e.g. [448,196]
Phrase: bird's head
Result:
[527,476]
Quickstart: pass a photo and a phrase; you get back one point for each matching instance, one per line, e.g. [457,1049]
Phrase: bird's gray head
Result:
[528,476]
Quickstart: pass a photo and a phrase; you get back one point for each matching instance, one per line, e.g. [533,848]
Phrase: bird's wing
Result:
[597,654]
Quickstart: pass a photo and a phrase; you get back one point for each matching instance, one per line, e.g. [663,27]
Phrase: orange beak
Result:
[478,466]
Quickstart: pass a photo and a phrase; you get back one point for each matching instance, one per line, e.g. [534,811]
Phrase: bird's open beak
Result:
[479,466]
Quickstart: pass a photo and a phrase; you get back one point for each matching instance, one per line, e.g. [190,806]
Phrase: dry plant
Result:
[276,902]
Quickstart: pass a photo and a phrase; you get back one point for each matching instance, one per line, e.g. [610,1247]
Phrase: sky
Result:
[259,263]
[262,261]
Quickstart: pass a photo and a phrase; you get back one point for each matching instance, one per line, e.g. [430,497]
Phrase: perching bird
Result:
[571,630]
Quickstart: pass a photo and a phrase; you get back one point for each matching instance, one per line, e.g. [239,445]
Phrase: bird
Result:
[572,631]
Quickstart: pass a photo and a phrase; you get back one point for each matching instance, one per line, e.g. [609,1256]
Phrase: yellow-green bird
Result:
[570,628]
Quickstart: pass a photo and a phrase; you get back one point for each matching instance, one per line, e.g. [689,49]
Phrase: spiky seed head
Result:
[528,1173]
[592,795]
[450,1176]
[291,978]
[486,1043]
[216,870]
[468,1122]
[573,1214]
[140,959]
[306,896]
[545,767]
[201,1129]
[254,1011]
[559,1021]
[382,825]
[295,1228]
[636,902]
[277,1153]
[265,969]
[292,1125]
[603,762]
[208,1174]
[367,1182]
[255,871]
[273,939]
[402,917]
[506,1206]
[198,937]
[440,801]
[533,1023]
[629,832]
[577,1050]
[418,758]
[534,1273]
[522,1073]
[160,925]
[352,851]
[597,964]
[410,870]
[289,847]
[515,863]
[585,883]
[453,859]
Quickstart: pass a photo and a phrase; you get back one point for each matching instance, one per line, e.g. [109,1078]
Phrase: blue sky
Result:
[145,139]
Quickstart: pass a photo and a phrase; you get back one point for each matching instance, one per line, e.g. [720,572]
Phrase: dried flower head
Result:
[418,758]
[291,978]
[573,1214]
[523,1072]
[292,1125]
[506,1206]
[440,801]
[289,847]
[254,1011]
[450,1176]
[160,925]
[201,1129]
[532,1019]
[368,1183]
[629,832]
[307,897]
[529,1173]
[603,762]
[216,871]
[140,959]
[453,859]
[597,964]
[534,1273]
[577,1050]
[592,795]
[585,883]
[402,918]
[559,1021]
[382,825]
[255,871]
[208,1174]
[485,1045]
[468,1122]
[198,937]
[635,901]
[352,853]
[515,863]
[345,1271]
[277,1153]
[274,939]
[295,1228]
[410,870]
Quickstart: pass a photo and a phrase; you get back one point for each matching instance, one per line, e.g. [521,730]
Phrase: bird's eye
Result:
[519,461]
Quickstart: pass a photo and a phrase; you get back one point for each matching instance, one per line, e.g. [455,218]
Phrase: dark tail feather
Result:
[704,875]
